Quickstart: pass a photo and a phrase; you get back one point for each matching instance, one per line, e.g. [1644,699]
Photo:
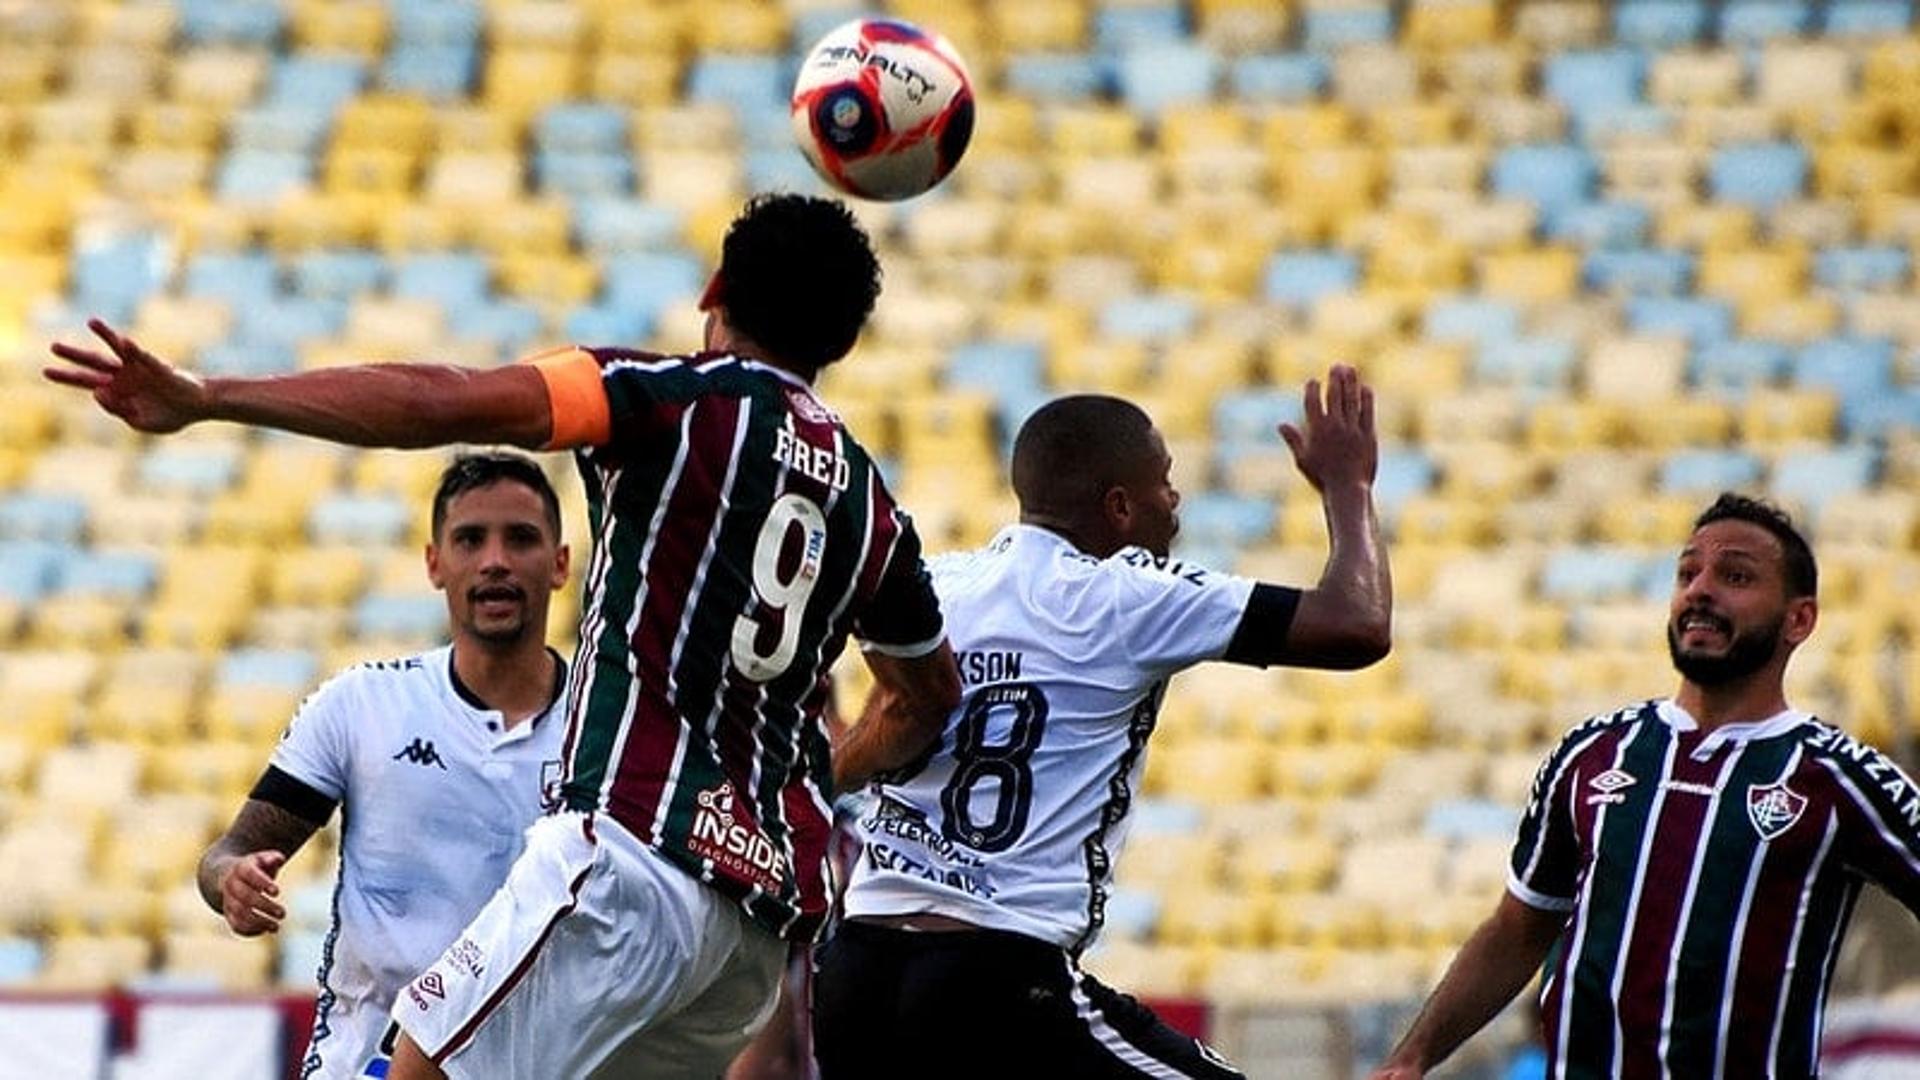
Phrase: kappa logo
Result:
[421,752]
[1773,808]
[1610,787]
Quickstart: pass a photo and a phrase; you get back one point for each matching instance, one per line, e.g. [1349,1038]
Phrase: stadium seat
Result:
[1762,175]
[1746,22]
[1331,28]
[1550,176]
[1659,24]
[1279,77]
[1699,322]
[1810,478]
[1597,79]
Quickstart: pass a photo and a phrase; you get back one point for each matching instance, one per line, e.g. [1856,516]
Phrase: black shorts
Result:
[982,1004]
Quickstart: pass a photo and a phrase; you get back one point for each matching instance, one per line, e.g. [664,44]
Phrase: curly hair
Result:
[798,277]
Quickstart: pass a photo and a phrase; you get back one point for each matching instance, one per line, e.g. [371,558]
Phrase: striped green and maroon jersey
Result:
[740,535]
[1708,878]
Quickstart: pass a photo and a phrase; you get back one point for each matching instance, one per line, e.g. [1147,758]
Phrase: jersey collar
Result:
[472,700]
[1680,720]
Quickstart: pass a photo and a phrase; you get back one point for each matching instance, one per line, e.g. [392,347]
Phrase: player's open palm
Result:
[148,393]
[248,893]
[1335,443]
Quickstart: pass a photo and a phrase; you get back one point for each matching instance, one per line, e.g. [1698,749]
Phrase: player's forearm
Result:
[1349,613]
[888,736]
[1493,966]
[402,406]
[213,870]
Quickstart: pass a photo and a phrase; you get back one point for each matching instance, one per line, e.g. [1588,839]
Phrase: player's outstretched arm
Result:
[237,874]
[392,405]
[1495,964]
[903,717]
[1346,620]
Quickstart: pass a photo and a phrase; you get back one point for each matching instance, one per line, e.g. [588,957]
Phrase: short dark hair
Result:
[1072,450]
[1802,574]
[469,472]
[798,277]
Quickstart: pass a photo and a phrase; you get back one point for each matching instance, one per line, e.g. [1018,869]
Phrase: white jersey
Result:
[435,797]
[1015,821]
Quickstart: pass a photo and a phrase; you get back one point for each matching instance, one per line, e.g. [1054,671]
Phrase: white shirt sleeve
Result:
[315,747]
[1171,615]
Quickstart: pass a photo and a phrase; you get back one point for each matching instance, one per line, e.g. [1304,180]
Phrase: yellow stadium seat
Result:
[250,715]
[646,79]
[1530,277]
[1371,76]
[519,83]
[370,170]
[1814,223]
[149,26]
[87,963]
[537,25]
[1036,25]
[1210,771]
[695,180]
[622,27]
[557,279]
[233,964]
[1896,316]
[1690,78]
[356,27]
[1160,970]
[1893,68]
[1554,25]
[1291,128]
[1650,170]
[119,73]
[27,72]
[319,576]
[223,78]
[1649,519]
[1795,319]
[1197,857]
[1456,24]
[740,26]
[490,177]
[1777,417]
[1331,184]
[1093,131]
[1851,169]
[1763,275]
[225,770]
[1261,978]
[1208,126]
[97,623]
[691,126]
[1635,370]
[160,176]
[101,775]
[1722,125]
[1197,915]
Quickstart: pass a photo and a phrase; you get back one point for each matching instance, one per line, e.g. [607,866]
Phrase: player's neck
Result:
[1744,701]
[515,680]
[1092,540]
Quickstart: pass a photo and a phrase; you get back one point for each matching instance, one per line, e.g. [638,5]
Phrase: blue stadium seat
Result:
[1131,914]
[189,468]
[1643,271]
[440,73]
[1601,124]
[512,325]
[1597,78]
[280,127]
[1151,317]
[1551,175]
[347,518]
[809,23]
[230,22]
[1527,363]
[1862,268]
[1868,18]
[1700,321]
[316,81]
[1691,472]
[408,616]
[109,573]
[1816,474]
[1058,76]
[290,320]
[293,669]
[262,176]
[1333,28]
[451,278]
[748,82]
[255,358]
[1279,77]
[29,568]
[778,168]
[339,275]
[1164,815]
[1472,318]
[1586,574]
[1404,473]
[1300,278]
[1122,27]
[581,128]
[1154,78]
[20,960]
[1760,175]
[607,226]
[113,273]
[239,278]
[769,129]
[650,281]
[1660,24]
[1599,224]
[1737,365]
[997,367]
[1750,22]
[1220,518]
[584,174]
[1244,420]
[1470,819]
[1895,411]
[33,515]
[435,22]
[608,324]
[1855,369]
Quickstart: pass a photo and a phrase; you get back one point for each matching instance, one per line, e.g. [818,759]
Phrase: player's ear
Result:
[1117,507]
[433,567]
[562,561]
[1802,613]
[714,295]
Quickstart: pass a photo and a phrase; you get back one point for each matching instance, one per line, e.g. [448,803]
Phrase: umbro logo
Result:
[420,752]
[1608,787]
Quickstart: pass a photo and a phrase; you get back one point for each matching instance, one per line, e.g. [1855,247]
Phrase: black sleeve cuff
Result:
[1261,637]
[294,796]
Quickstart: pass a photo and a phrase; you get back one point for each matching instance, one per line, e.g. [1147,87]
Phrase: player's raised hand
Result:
[1336,443]
[247,893]
[148,393]
[1397,1072]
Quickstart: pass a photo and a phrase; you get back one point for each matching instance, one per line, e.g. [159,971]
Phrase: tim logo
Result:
[732,842]
[420,752]
[1773,809]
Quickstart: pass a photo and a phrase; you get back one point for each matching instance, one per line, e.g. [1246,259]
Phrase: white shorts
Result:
[597,957]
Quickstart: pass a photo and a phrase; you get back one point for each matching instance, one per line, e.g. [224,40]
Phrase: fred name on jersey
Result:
[821,464]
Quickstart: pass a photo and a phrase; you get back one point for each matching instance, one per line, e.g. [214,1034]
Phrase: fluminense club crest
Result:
[1773,808]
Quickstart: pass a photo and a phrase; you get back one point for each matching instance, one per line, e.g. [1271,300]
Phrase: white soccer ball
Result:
[882,109]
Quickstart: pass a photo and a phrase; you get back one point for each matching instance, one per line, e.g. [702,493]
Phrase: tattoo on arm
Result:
[260,826]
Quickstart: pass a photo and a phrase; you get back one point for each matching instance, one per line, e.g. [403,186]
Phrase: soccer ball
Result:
[882,109]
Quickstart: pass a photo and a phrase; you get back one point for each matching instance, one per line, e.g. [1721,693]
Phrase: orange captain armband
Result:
[576,399]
